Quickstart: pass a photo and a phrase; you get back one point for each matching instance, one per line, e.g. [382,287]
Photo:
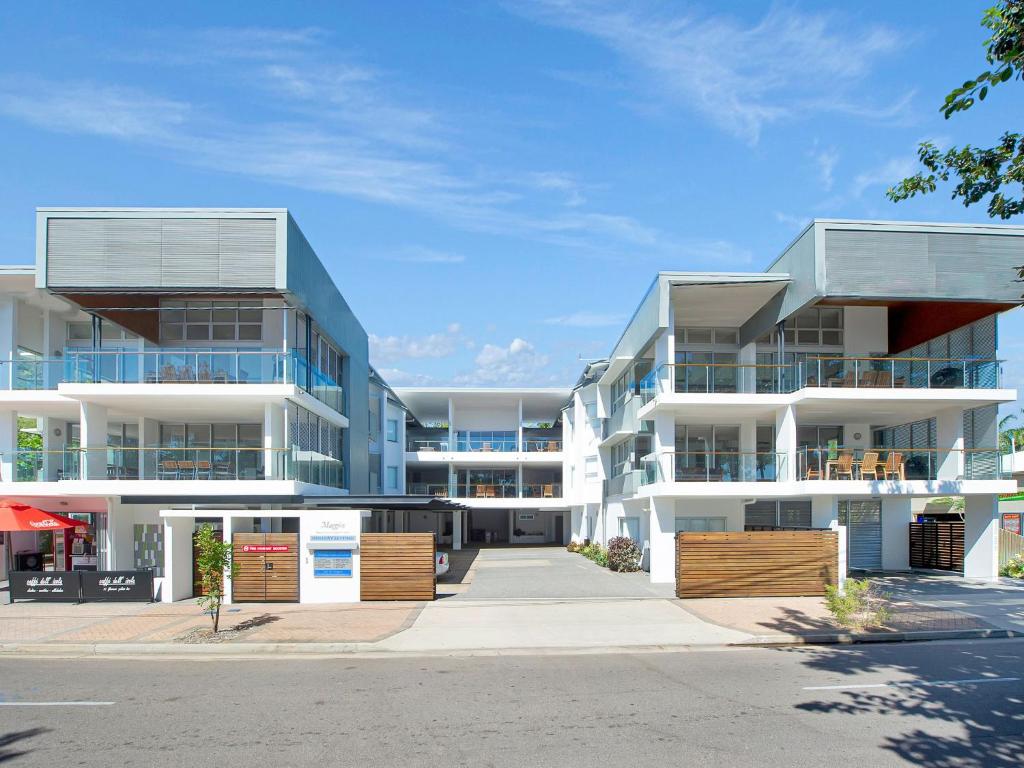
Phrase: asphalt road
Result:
[863,706]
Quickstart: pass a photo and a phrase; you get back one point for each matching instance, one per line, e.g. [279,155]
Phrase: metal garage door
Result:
[863,521]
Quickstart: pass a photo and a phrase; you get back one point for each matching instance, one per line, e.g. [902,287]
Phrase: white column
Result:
[451,424]
[273,441]
[519,427]
[511,524]
[949,438]
[8,445]
[663,540]
[93,431]
[149,438]
[981,537]
[177,559]
[8,339]
[748,373]
[785,441]
[457,529]
[665,354]
[896,517]
[53,459]
[824,511]
[228,535]
[748,450]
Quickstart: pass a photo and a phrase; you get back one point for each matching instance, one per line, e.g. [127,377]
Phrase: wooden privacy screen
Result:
[396,566]
[756,563]
[937,545]
[268,568]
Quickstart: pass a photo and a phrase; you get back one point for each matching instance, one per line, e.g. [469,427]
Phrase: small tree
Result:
[214,563]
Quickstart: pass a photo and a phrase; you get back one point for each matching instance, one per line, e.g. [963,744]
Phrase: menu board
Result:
[130,586]
[332,563]
[48,585]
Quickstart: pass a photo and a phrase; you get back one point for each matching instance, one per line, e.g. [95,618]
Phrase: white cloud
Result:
[518,364]
[884,175]
[584,319]
[793,222]
[389,349]
[825,160]
[399,378]
[419,255]
[741,77]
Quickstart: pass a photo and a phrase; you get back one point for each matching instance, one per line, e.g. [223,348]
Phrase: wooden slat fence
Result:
[397,566]
[939,546]
[1010,545]
[756,563]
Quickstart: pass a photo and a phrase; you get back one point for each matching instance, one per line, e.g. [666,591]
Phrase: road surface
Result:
[930,704]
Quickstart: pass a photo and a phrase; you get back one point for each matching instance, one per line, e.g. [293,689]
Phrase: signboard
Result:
[1011,522]
[50,585]
[332,563]
[264,547]
[130,586]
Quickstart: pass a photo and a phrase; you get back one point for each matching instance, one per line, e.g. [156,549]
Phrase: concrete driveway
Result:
[1000,603]
[539,573]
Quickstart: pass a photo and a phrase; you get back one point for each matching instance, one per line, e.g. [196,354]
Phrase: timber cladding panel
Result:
[268,568]
[397,566]
[937,545]
[756,563]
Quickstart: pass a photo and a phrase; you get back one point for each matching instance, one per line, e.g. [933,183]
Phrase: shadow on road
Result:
[989,716]
[14,738]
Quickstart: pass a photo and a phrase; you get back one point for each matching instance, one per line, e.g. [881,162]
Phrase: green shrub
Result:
[574,546]
[623,554]
[595,552]
[860,605]
[1014,568]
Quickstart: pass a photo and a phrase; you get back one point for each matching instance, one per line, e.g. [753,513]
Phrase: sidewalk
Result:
[455,626]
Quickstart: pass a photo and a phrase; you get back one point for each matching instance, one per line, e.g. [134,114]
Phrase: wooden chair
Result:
[868,379]
[552,447]
[845,381]
[883,379]
[869,464]
[894,468]
[167,470]
[481,491]
[492,491]
[204,470]
[205,375]
[844,466]
[168,373]
[485,447]
[548,491]
[187,470]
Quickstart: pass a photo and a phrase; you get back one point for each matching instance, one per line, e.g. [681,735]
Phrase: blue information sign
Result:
[332,563]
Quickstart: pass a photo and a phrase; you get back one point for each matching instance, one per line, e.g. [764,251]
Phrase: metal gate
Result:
[863,521]
[268,568]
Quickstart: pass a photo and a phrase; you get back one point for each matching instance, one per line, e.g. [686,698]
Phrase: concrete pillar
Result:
[896,517]
[949,439]
[519,427]
[177,559]
[511,524]
[457,529]
[785,442]
[747,358]
[665,354]
[149,439]
[8,339]
[851,432]
[228,535]
[451,424]
[748,450]
[981,537]
[8,445]
[274,443]
[93,436]
[53,445]
[824,511]
[662,539]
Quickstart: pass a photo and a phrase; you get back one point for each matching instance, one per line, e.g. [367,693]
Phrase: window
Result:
[700,524]
[816,327]
[590,469]
[630,528]
[211,320]
[392,430]
[392,478]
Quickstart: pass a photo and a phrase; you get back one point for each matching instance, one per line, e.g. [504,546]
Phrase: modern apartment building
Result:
[162,357]
[162,368]
[498,452]
[859,371]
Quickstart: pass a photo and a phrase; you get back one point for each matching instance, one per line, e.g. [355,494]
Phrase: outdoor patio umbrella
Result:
[15,516]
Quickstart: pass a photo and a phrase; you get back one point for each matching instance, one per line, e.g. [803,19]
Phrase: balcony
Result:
[897,464]
[174,366]
[714,467]
[440,490]
[473,445]
[623,420]
[822,371]
[507,491]
[176,464]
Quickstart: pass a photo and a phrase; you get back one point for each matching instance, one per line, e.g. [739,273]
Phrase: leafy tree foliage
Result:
[996,172]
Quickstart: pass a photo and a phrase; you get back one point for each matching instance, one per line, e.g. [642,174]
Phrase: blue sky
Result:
[493,185]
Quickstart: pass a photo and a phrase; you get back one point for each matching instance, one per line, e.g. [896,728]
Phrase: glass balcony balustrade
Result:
[714,467]
[897,464]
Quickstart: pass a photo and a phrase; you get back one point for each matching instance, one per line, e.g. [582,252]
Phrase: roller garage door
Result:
[863,521]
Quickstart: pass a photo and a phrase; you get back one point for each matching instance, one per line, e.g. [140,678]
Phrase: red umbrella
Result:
[23,517]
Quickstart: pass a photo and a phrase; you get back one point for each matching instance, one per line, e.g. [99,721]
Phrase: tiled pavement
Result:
[159,622]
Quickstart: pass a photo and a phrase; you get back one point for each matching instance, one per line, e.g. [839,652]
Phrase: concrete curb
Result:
[372,650]
[852,638]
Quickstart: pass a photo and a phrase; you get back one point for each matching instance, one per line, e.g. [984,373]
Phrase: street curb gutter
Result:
[853,638]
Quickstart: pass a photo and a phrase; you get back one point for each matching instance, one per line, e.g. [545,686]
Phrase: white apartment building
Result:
[165,368]
[497,452]
[158,358]
[859,371]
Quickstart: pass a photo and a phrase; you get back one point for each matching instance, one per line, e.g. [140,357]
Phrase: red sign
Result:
[1011,522]
[264,547]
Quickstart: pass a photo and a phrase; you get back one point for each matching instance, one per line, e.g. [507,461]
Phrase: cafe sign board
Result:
[55,586]
[129,586]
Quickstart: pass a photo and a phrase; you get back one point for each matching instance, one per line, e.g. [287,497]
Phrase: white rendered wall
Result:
[981,537]
[896,517]
[865,331]
[312,589]
[177,559]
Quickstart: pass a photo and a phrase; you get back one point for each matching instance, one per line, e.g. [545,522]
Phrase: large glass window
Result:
[392,430]
[227,320]
[816,327]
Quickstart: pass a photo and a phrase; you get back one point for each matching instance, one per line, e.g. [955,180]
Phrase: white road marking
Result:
[908,684]
[57,703]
